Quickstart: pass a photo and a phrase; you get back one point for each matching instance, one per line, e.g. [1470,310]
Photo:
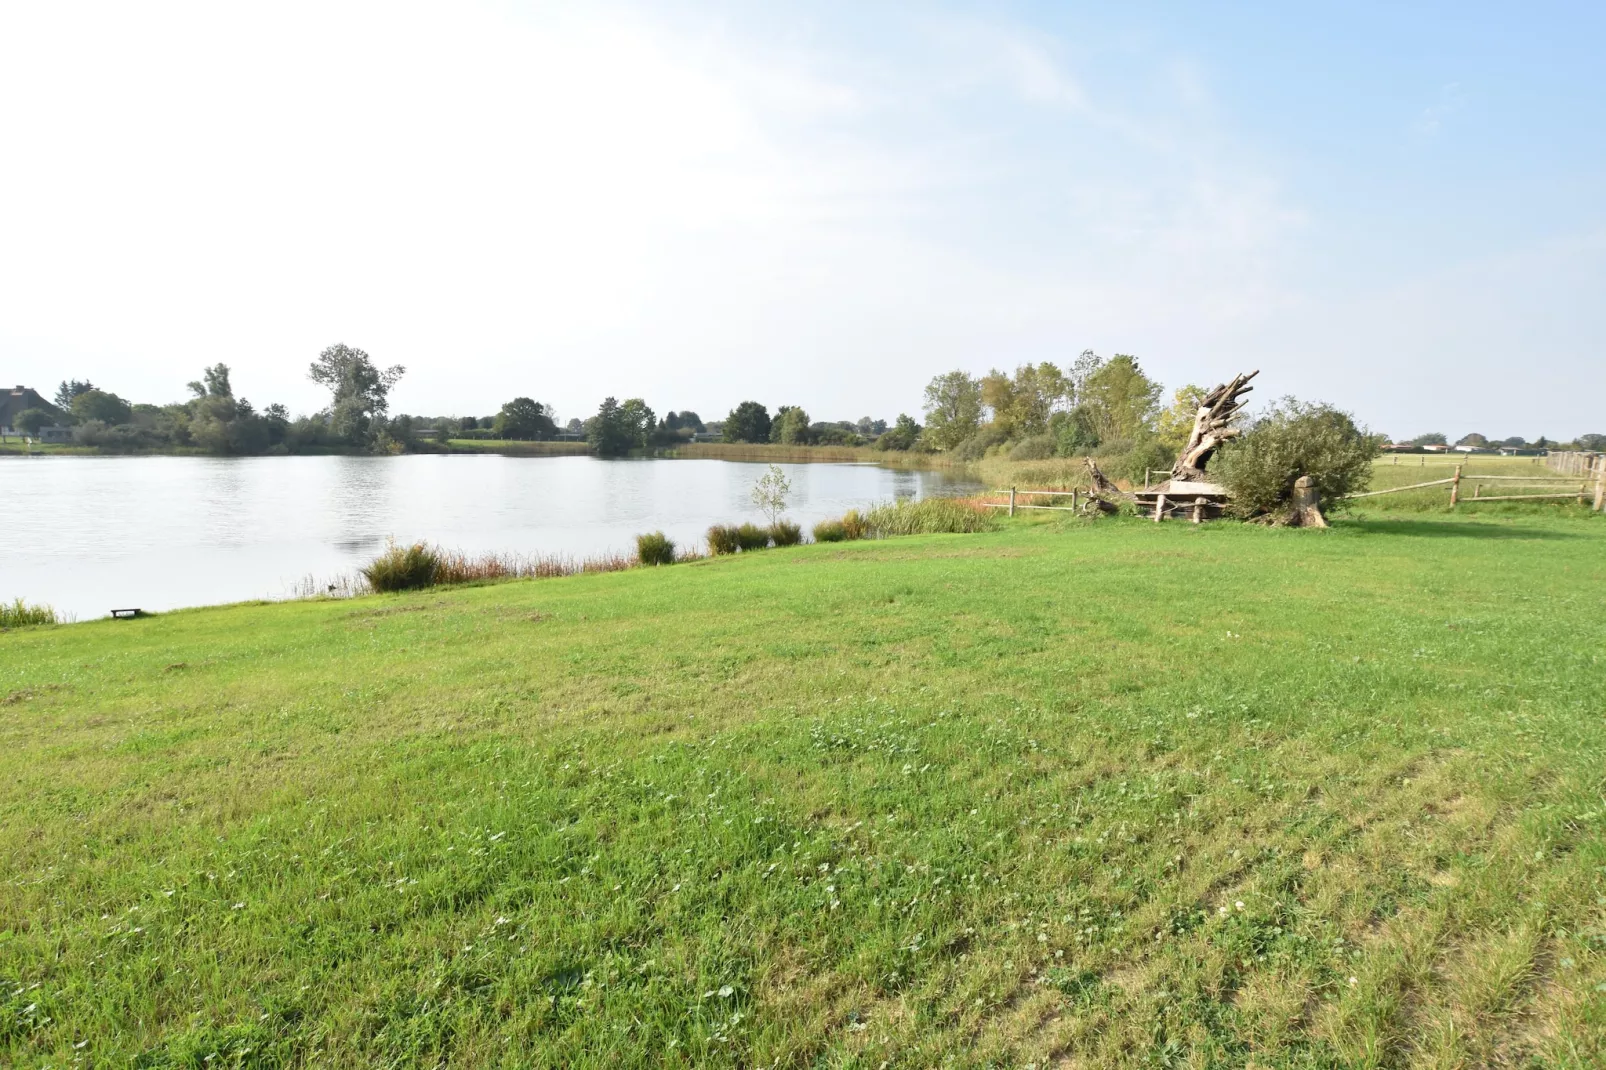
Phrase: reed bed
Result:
[20,614]
[456,567]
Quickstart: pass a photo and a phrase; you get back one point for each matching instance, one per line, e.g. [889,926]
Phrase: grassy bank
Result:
[769,453]
[515,448]
[1098,794]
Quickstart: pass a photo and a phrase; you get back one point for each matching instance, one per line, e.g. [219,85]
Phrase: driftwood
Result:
[1213,426]
[1102,494]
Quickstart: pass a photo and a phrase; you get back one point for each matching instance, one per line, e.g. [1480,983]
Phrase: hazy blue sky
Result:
[1400,208]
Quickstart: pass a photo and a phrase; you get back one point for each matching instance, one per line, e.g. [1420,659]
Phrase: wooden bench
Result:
[127,614]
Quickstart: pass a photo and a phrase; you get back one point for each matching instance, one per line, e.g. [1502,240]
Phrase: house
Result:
[20,399]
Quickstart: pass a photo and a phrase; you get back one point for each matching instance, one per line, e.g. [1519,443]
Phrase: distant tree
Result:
[468,423]
[901,436]
[214,382]
[690,421]
[524,419]
[1021,405]
[575,427]
[1083,368]
[791,426]
[1542,443]
[953,409]
[1592,442]
[1432,438]
[1515,442]
[1176,423]
[276,424]
[29,421]
[870,428]
[1474,440]
[616,429]
[360,392]
[1119,400]
[748,422]
[70,389]
[640,421]
[99,405]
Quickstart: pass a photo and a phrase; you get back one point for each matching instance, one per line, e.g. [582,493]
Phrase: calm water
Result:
[89,534]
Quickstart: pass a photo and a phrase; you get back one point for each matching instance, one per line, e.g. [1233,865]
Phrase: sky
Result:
[1396,208]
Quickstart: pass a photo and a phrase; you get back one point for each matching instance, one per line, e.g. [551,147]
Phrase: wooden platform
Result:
[1181,500]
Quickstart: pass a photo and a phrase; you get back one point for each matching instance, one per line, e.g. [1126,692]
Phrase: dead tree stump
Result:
[1305,510]
[1213,426]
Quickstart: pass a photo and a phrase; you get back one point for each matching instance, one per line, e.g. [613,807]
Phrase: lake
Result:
[89,534]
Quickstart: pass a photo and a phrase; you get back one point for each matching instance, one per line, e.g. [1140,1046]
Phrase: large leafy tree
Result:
[1119,400]
[1296,439]
[359,389]
[1176,423]
[953,409]
[617,429]
[70,389]
[900,436]
[1022,405]
[791,426]
[525,419]
[748,422]
[99,405]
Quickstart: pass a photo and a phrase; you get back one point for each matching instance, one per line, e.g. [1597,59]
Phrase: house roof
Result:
[21,398]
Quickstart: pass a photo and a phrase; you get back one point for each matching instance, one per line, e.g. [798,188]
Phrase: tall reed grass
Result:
[20,614]
[929,516]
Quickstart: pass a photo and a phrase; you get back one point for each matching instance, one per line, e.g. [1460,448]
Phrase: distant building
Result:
[20,399]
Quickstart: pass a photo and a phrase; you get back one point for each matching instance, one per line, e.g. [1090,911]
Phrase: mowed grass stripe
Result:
[992,797]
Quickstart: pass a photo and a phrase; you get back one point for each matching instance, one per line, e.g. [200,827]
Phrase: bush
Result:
[724,539]
[1295,439]
[785,533]
[1036,448]
[830,531]
[655,548]
[752,537]
[930,516]
[404,568]
[20,614]
[1144,454]
[976,446]
[854,525]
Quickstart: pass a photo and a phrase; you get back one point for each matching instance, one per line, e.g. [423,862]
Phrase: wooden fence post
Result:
[1159,507]
[1075,492]
[1600,483]
[1011,501]
[1455,487]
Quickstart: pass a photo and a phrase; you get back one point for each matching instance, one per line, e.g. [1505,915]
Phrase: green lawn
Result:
[1083,794]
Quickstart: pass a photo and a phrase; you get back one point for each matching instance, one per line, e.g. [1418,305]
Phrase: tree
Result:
[214,382]
[360,392]
[1432,438]
[1592,442]
[639,420]
[524,419]
[901,436]
[29,421]
[70,389]
[1022,405]
[770,492]
[1120,401]
[1474,439]
[953,409]
[1515,442]
[1296,439]
[611,432]
[748,422]
[1176,423]
[791,426]
[1083,368]
[102,406]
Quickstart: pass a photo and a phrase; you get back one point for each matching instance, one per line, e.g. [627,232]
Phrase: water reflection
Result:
[161,532]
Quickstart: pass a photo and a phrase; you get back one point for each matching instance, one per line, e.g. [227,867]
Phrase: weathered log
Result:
[1101,492]
[1213,426]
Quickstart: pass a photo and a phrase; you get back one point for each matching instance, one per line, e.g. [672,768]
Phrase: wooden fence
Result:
[1591,489]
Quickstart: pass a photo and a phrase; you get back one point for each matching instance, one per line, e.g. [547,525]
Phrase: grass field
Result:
[1076,794]
[510,446]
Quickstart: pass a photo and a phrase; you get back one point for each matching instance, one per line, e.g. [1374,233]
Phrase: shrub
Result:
[785,533]
[930,516]
[1145,454]
[724,539]
[20,614]
[976,446]
[1294,439]
[655,548]
[830,531]
[854,526]
[1036,448]
[404,568]
[752,537]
